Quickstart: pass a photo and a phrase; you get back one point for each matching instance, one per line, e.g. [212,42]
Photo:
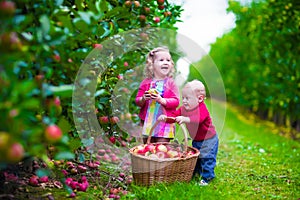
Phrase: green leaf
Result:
[62,91]
[64,125]
[59,2]
[87,142]
[42,172]
[30,104]
[45,22]
[86,16]
[64,155]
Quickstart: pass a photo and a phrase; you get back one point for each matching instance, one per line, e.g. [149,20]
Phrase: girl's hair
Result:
[148,71]
[198,87]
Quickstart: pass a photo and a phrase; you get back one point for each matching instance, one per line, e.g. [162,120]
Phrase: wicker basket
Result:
[148,171]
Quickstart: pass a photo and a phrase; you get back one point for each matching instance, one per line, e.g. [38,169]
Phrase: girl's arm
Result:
[171,97]
[140,97]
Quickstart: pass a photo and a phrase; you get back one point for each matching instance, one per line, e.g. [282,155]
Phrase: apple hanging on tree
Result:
[53,133]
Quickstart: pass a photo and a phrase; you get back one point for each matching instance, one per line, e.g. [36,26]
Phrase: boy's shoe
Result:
[203,183]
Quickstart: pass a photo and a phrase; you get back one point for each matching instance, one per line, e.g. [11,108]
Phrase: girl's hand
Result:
[159,99]
[146,96]
[182,119]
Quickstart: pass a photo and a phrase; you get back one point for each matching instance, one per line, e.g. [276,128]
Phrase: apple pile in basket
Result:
[161,151]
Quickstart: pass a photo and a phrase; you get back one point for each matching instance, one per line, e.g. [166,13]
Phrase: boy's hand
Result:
[162,118]
[182,119]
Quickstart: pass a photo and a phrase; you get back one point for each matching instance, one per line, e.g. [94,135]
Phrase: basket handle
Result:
[170,120]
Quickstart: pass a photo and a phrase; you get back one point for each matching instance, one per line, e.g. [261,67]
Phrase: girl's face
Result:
[189,98]
[162,64]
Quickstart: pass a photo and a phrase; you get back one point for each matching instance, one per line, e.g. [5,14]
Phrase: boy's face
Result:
[162,64]
[189,98]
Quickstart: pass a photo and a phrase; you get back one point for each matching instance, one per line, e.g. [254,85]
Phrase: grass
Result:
[254,162]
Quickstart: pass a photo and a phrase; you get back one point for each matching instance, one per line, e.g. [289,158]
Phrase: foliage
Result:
[258,59]
[43,44]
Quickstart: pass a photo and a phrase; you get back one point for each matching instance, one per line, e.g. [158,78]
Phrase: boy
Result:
[195,115]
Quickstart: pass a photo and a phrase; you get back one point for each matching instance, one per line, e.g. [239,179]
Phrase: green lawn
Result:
[254,162]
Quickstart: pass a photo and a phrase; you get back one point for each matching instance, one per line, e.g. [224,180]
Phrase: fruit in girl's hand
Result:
[152,91]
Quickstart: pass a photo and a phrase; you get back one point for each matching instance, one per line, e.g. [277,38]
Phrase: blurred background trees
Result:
[258,60]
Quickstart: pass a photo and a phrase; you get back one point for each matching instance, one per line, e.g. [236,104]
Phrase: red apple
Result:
[82,186]
[33,181]
[172,154]
[81,168]
[43,179]
[101,151]
[167,13]
[72,195]
[140,150]
[106,157]
[147,10]
[160,2]
[190,153]
[10,41]
[98,46]
[144,36]
[7,8]
[154,156]
[136,4]
[156,19]
[56,101]
[114,120]
[161,147]
[15,152]
[150,148]
[128,4]
[56,57]
[142,18]
[103,119]
[161,7]
[53,133]
[112,139]
[161,155]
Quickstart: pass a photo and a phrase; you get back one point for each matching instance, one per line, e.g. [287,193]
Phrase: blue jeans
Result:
[206,162]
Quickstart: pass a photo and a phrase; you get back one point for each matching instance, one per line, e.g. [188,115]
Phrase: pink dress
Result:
[151,109]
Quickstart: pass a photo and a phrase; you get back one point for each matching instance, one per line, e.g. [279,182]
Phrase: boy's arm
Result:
[200,114]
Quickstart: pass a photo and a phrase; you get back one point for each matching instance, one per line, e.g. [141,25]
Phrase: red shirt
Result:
[171,95]
[200,126]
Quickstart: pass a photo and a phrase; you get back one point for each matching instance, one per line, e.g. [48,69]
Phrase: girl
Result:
[158,94]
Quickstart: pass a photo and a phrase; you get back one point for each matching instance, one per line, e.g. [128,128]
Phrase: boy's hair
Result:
[148,71]
[198,87]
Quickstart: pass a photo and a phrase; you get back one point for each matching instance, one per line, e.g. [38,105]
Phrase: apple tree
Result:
[43,44]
